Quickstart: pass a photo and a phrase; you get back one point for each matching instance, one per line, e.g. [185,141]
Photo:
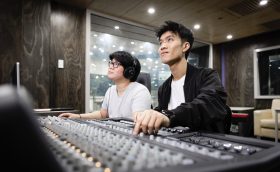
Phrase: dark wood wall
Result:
[68,43]
[234,61]
[10,36]
[36,52]
[37,33]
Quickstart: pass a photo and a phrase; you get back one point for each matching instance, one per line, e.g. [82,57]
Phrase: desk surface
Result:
[241,108]
[53,113]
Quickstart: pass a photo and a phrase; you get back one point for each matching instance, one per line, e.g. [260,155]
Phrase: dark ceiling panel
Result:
[272,24]
[77,3]
[245,7]
[242,18]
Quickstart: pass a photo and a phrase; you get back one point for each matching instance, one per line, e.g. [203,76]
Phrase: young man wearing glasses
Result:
[126,97]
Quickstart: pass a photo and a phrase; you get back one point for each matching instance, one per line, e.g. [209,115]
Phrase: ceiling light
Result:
[117,27]
[151,10]
[229,36]
[263,2]
[196,26]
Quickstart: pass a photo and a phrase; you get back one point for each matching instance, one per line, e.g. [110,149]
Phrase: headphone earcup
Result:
[129,72]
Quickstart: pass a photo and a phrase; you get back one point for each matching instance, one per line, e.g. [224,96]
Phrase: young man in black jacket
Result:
[191,96]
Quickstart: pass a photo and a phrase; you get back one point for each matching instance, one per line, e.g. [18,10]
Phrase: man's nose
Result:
[162,46]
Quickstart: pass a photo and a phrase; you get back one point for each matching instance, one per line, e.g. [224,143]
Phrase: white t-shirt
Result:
[136,98]
[177,93]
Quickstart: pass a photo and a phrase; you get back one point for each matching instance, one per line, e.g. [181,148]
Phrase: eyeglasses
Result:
[114,64]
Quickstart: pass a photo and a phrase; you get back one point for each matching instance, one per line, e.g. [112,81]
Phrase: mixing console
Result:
[108,145]
[52,144]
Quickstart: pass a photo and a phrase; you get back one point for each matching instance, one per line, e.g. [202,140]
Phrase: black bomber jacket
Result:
[205,102]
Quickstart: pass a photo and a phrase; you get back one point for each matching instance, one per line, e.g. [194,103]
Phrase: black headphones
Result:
[129,72]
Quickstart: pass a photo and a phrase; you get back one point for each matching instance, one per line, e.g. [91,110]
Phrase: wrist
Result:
[80,116]
[169,116]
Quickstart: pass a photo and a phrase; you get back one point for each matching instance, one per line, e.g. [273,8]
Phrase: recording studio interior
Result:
[54,59]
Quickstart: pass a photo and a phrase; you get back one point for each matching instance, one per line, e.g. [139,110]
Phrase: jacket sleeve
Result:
[159,108]
[208,110]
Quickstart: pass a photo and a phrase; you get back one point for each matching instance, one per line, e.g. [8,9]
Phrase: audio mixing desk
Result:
[52,144]
[109,145]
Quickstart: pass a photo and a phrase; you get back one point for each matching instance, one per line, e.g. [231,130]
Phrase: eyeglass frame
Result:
[114,64]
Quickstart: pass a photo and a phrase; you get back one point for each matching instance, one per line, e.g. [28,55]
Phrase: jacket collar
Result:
[189,73]
[167,89]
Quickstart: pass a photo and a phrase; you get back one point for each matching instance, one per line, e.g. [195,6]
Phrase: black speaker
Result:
[23,143]
[129,72]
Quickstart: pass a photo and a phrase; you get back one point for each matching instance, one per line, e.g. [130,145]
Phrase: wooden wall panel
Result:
[10,37]
[236,58]
[68,44]
[36,50]
[217,60]
[37,33]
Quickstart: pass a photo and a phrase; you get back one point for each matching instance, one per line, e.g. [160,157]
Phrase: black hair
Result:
[129,63]
[184,33]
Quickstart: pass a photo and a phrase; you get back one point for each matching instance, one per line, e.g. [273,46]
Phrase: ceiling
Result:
[218,18]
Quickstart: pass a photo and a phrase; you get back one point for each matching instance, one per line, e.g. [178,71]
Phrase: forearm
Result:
[93,115]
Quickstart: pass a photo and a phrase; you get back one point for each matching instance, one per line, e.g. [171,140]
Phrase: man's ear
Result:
[186,46]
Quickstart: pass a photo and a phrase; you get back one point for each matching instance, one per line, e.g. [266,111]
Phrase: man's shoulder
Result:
[204,70]
[198,68]
[111,88]
[200,73]
[138,86]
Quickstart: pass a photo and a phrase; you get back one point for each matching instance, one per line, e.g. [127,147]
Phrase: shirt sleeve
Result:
[142,100]
[106,99]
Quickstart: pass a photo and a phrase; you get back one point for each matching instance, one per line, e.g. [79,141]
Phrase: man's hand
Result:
[149,121]
[69,115]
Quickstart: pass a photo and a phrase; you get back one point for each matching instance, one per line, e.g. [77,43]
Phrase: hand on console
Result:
[70,115]
[149,122]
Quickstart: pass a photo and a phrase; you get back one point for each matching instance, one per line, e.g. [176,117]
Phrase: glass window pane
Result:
[102,44]
[138,41]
